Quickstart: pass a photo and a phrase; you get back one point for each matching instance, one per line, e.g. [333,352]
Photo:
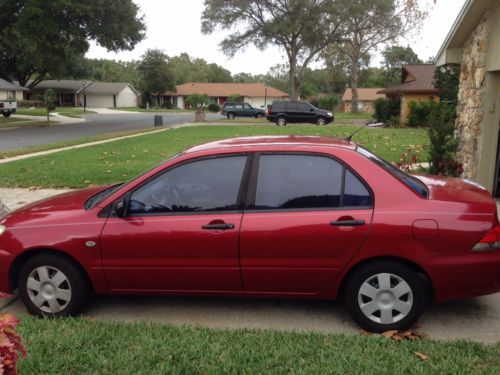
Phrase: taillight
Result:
[490,241]
[1,105]
[270,111]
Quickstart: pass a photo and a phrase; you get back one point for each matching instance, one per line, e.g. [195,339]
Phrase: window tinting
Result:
[204,185]
[355,193]
[304,107]
[298,181]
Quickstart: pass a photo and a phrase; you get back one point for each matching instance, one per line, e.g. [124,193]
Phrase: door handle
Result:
[347,223]
[218,226]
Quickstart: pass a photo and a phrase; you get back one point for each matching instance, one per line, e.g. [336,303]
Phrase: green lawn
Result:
[17,122]
[121,160]
[151,109]
[6,120]
[339,116]
[65,111]
[86,346]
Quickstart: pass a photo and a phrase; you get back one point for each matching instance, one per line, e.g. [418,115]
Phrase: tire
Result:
[321,121]
[6,114]
[230,116]
[369,303]
[62,279]
[281,121]
[259,115]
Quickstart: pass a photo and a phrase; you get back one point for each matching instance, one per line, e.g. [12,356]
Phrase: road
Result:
[17,138]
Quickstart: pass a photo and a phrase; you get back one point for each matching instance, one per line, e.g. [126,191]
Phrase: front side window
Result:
[307,181]
[203,185]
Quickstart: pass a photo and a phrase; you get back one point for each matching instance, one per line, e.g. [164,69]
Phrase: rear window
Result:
[412,182]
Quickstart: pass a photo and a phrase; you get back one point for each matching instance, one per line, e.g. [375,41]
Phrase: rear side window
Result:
[306,181]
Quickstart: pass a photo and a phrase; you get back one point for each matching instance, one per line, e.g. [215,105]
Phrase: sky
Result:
[174,27]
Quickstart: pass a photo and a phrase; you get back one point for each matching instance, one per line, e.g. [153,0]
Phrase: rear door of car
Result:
[181,232]
[307,215]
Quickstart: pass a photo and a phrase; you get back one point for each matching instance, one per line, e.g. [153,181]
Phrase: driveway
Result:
[476,319]
[97,123]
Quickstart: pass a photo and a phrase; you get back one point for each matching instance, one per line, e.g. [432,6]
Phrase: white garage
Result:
[109,95]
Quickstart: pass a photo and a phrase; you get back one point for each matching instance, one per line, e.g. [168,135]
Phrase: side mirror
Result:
[121,207]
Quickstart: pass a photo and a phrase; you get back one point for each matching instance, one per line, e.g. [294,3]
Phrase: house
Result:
[10,91]
[256,94]
[94,94]
[417,85]
[473,43]
[366,97]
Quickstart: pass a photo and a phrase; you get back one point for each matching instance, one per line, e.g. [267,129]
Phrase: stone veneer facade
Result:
[471,98]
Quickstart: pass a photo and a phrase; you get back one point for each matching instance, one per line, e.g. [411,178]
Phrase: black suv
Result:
[283,112]
[232,110]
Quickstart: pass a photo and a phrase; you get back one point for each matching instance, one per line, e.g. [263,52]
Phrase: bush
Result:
[386,109]
[167,105]
[214,107]
[31,103]
[11,344]
[325,102]
[235,98]
[419,113]
[443,144]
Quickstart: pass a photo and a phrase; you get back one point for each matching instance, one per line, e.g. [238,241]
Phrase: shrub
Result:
[235,98]
[214,107]
[167,105]
[31,103]
[328,102]
[419,113]
[10,344]
[443,144]
[198,102]
[385,109]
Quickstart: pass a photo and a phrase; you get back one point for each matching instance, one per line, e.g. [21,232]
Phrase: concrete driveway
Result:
[476,319]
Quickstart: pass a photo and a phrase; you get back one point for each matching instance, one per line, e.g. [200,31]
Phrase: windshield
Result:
[413,183]
[97,198]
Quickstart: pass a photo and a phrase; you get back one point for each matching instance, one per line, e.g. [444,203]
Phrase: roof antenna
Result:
[349,138]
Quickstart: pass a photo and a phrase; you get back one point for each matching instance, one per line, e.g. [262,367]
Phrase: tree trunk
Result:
[354,86]
[294,80]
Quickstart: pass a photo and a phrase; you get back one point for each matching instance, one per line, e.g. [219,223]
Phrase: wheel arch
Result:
[409,263]
[18,262]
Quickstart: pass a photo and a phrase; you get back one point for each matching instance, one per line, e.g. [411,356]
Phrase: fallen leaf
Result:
[422,356]
[365,333]
[389,334]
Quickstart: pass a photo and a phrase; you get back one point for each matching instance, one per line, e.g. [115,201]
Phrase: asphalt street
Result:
[17,138]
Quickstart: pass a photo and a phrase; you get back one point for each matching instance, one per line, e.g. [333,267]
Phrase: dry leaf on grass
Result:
[422,356]
[404,335]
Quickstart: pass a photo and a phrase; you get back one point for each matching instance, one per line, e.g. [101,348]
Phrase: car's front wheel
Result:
[6,114]
[320,121]
[384,296]
[51,285]
[281,121]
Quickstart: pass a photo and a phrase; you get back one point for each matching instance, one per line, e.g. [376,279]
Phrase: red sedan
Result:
[301,217]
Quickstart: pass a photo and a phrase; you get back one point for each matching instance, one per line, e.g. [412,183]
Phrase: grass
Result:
[64,111]
[351,116]
[151,109]
[123,159]
[6,120]
[86,346]
[26,123]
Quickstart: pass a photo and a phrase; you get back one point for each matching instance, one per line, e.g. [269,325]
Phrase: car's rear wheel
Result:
[259,115]
[383,296]
[320,121]
[230,116]
[50,285]
[6,114]
[281,121]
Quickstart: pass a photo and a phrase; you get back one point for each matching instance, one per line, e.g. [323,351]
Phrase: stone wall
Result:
[471,97]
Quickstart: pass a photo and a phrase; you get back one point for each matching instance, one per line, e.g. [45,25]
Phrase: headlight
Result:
[2,229]
[329,114]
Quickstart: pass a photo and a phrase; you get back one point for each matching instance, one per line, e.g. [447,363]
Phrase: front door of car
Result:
[248,110]
[307,217]
[180,232]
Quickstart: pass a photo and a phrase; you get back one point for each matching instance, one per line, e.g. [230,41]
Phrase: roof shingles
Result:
[226,89]
[417,79]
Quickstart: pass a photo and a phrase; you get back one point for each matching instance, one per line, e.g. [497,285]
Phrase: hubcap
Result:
[385,298]
[49,289]
[321,121]
[281,121]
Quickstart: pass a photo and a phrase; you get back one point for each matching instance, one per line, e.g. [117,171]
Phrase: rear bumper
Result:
[464,276]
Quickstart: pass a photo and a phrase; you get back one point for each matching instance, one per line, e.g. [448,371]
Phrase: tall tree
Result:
[41,38]
[155,74]
[394,58]
[368,24]
[302,28]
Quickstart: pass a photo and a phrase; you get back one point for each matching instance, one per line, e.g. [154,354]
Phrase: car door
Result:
[307,112]
[307,216]
[180,232]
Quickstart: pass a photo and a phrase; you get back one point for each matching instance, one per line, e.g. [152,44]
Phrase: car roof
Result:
[278,140]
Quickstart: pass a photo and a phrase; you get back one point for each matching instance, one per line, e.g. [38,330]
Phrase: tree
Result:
[394,58]
[41,38]
[188,69]
[198,101]
[49,97]
[155,74]
[303,28]
[369,24]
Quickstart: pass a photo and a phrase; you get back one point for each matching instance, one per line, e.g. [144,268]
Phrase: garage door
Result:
[100,101]
[126,98]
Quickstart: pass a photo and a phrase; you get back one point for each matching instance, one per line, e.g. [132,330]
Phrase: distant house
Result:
[417,85]
[256,94]
[10,91]
[473,44]
[94,94]
[366,97]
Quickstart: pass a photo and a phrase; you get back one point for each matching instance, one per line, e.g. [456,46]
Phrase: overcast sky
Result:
[174,27]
